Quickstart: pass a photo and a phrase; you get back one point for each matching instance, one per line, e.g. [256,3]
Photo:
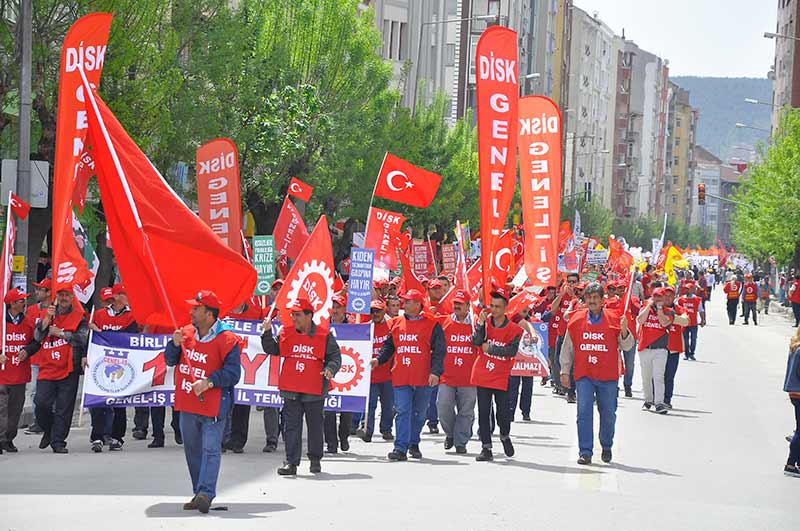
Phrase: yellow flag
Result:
[674,259]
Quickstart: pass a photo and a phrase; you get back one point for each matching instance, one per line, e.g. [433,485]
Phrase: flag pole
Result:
[372,198]
[83,394]
[5,273]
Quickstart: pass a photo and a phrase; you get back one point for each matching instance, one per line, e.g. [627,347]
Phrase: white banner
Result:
[129,370]
[596,257]
[703,262]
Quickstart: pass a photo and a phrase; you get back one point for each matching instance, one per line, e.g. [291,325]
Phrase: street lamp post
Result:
[770,35]
[419,48]
[745,126]
[524,87]
[757,102]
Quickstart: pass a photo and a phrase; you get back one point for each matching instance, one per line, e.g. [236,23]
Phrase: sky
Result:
[718,38]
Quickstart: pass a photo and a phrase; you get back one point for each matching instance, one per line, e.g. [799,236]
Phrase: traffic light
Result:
[701,194]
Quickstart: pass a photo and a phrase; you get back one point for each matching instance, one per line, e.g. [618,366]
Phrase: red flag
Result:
[312,275]
[84,170]
[383,231]
[564,234]
[619,259]
[460,279]
[19,207]
[502,260]
[338,283]
[410,279]
[85,47]
[403,182]
[8,254]
[165,253]
[540,185]
[497,101]
[290,232]
[474,279]
[521,300]
[219,198]
[299,189]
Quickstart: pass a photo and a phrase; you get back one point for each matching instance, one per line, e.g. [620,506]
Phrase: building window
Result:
[494,7]
[387,39]
[402,52]
[677,122]
[674,199]
[450,55]
[393,39]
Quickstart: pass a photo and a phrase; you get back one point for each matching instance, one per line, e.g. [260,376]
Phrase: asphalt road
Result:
[715,462]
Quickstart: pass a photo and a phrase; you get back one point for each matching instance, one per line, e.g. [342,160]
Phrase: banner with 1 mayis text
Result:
[129,370]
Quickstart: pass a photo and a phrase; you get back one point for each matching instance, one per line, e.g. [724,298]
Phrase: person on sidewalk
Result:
[457,396]
[498,339]
[207,357]
[311,358]
[591,349]
[32,313]
[64,334]
[380,387]
[675,344]
[750,299]
[791,385]
[15,367]
[109,424]
[417,345]
[654,321]
[733,289]
[697,317]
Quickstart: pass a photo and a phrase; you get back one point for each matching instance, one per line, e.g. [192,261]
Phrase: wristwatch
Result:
[210,384]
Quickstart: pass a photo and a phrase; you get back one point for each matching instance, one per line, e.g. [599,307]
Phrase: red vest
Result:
[692,306]
[32,314]
[554,328]
[732,289]
[107,322]
[381,373]
[412,355]
[675,332]
[795,296]
[596,347]
[304,358]
[650,330]
[493,371]
[461,353]
[55,355]
[198,361]
[750,292]
[15,371]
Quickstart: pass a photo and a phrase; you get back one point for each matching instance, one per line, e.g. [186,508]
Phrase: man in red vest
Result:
[110,423]
[15,367]
[337,434]
[457,396]
[207,357]
[750,299]
[654,320]
[311,358]
[498,339]
[697,317]
[417,346]
[63,334]
[436,293]
[557,326]
[675,343]
[591,349]
[42,295]
[733,290]
[380,387]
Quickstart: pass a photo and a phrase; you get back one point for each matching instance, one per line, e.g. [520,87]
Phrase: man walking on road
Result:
[732,289]
[654,320]
[750,299]
[591,349]
[697,317]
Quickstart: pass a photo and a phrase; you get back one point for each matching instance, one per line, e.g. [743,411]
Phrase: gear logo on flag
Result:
[350,373]
[315,283]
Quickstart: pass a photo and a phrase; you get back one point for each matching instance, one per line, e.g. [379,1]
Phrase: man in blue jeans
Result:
[591,350]
[417,344]
[207,355]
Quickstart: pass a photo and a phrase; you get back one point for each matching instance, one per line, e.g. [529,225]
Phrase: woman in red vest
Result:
[15,367]
[591,350]
[498,339]
[794,298]
[207,357]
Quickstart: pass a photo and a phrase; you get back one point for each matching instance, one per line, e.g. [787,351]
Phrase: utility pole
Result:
[23,188]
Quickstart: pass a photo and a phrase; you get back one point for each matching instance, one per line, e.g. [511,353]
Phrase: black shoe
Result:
[692,358]
[60,450]
[316,467]
[140,435]
[237,450]
[526,417]
[789,438]
[571,399]
[746,323]
[432,428]
[485,455]
[585,460]
[115,445]
[461,449]
[330,450]
[647,405]
[448,443]
[413,451]
[156,443]
[97,446]
[387,436]
[628,392]
[397,455]
[287,470]
[792,470]
[9,447]
[45,442]
[686,358]
[606,457]
[345,444]
[508,448]
[662,409]
[366,437]
[269,448]
[203,503]
[178,438]
[669,406]
[34,429]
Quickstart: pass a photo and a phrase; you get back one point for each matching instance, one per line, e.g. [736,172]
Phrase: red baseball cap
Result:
[500,292]
[44,284]
[461,296]
[205,298]
[339,299]
[300,305]
[277,283]
[106,293]
[435,283]
[377,304]
[690,285]
[659,292]
[413,295]
[668,288]
[118,289]
[14,295]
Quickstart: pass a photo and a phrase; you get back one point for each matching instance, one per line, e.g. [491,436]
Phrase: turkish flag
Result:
[312,276]
[383,231]
[19,207]
[403,182]
[290,231]
[502,259]
[8,255]
[474,280]
[165,253]
[299,189]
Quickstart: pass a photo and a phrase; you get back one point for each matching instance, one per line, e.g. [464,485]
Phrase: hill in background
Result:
[721,103]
